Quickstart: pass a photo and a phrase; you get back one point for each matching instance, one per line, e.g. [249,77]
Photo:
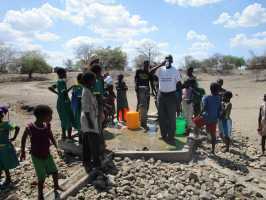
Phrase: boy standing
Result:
[89,123]
[210,114]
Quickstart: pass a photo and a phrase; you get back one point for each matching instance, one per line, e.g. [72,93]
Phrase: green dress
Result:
[64,105]
[76,104]
[8,157]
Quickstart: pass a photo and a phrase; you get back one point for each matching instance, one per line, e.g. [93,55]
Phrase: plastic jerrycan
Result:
[133,120]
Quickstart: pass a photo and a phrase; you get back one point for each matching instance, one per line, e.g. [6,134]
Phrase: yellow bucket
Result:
[133,120]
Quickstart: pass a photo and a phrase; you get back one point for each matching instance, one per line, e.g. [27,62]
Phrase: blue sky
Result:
[198,28]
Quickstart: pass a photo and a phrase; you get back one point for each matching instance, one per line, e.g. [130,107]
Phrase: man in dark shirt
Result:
[142,86]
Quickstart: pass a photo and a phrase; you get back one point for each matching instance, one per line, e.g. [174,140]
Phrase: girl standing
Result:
[41,137]
[63,103]
[8,158]
[262,124]
[122,103]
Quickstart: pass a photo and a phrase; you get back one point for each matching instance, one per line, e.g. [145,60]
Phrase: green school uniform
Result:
[8,157]
[64,105]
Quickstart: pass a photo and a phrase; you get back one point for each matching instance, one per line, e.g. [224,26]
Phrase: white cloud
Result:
[28,20]
[253,15]
[193,3]
[200,44]
[77,41]
[16,38]
[47,37]
[257,40]
[193,35]
[109,20]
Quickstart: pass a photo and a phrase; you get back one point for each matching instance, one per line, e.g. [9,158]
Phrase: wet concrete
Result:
[120,138]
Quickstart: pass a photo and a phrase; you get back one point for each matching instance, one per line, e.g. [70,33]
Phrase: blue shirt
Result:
[211,108]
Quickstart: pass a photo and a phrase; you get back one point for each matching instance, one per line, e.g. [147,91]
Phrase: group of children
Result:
[208,111]
[91,103]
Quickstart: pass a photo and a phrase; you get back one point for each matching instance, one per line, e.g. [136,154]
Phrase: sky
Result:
[199,28]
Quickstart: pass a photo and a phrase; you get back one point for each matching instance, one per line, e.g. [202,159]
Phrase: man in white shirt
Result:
[168,77]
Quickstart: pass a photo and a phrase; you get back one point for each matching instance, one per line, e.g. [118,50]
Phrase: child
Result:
[122,103]
[225,122]
[41,137]
[197,96]
[8,158]
[187,105]
[63,103]
[109,103]
[210,113]
[262,124]
[89,123]
[76,101]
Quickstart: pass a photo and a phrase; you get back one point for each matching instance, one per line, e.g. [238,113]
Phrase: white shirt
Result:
[89,105]
[168,78]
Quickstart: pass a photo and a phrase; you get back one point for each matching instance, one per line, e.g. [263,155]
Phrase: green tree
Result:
[112,58]
[34,62]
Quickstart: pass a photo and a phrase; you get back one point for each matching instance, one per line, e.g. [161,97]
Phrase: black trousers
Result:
[167,114]
[91,149]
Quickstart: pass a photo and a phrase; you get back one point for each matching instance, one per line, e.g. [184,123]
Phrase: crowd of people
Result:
[92,106]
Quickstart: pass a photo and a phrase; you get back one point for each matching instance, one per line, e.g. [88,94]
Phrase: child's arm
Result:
[23,143]
[16,133]
[52,89]
[69,89]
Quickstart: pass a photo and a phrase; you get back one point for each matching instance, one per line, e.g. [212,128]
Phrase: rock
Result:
[259,195]
[117,159]
[193,176]
[179,187]
[205,195]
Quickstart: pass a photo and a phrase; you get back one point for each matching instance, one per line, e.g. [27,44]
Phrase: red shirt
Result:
[40,140]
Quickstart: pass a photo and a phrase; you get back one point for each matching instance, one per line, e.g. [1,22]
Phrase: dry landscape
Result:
[238,175]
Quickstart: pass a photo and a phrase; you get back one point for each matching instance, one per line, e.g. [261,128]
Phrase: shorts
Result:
[225,127]
[44,167]
[210,127]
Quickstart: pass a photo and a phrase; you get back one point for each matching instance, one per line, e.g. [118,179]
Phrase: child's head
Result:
[190,71]
[214,88]
[61,73]
[227,96]
[97,70]
[3,112]
[79,78]
[220,82]
[89,79]
[120,77]
[264,98]
[43,113]
[146,65]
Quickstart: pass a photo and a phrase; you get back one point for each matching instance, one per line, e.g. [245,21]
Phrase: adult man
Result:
[168,77]
[142,84]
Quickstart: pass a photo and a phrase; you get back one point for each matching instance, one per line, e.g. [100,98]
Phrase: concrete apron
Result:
[80,178]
